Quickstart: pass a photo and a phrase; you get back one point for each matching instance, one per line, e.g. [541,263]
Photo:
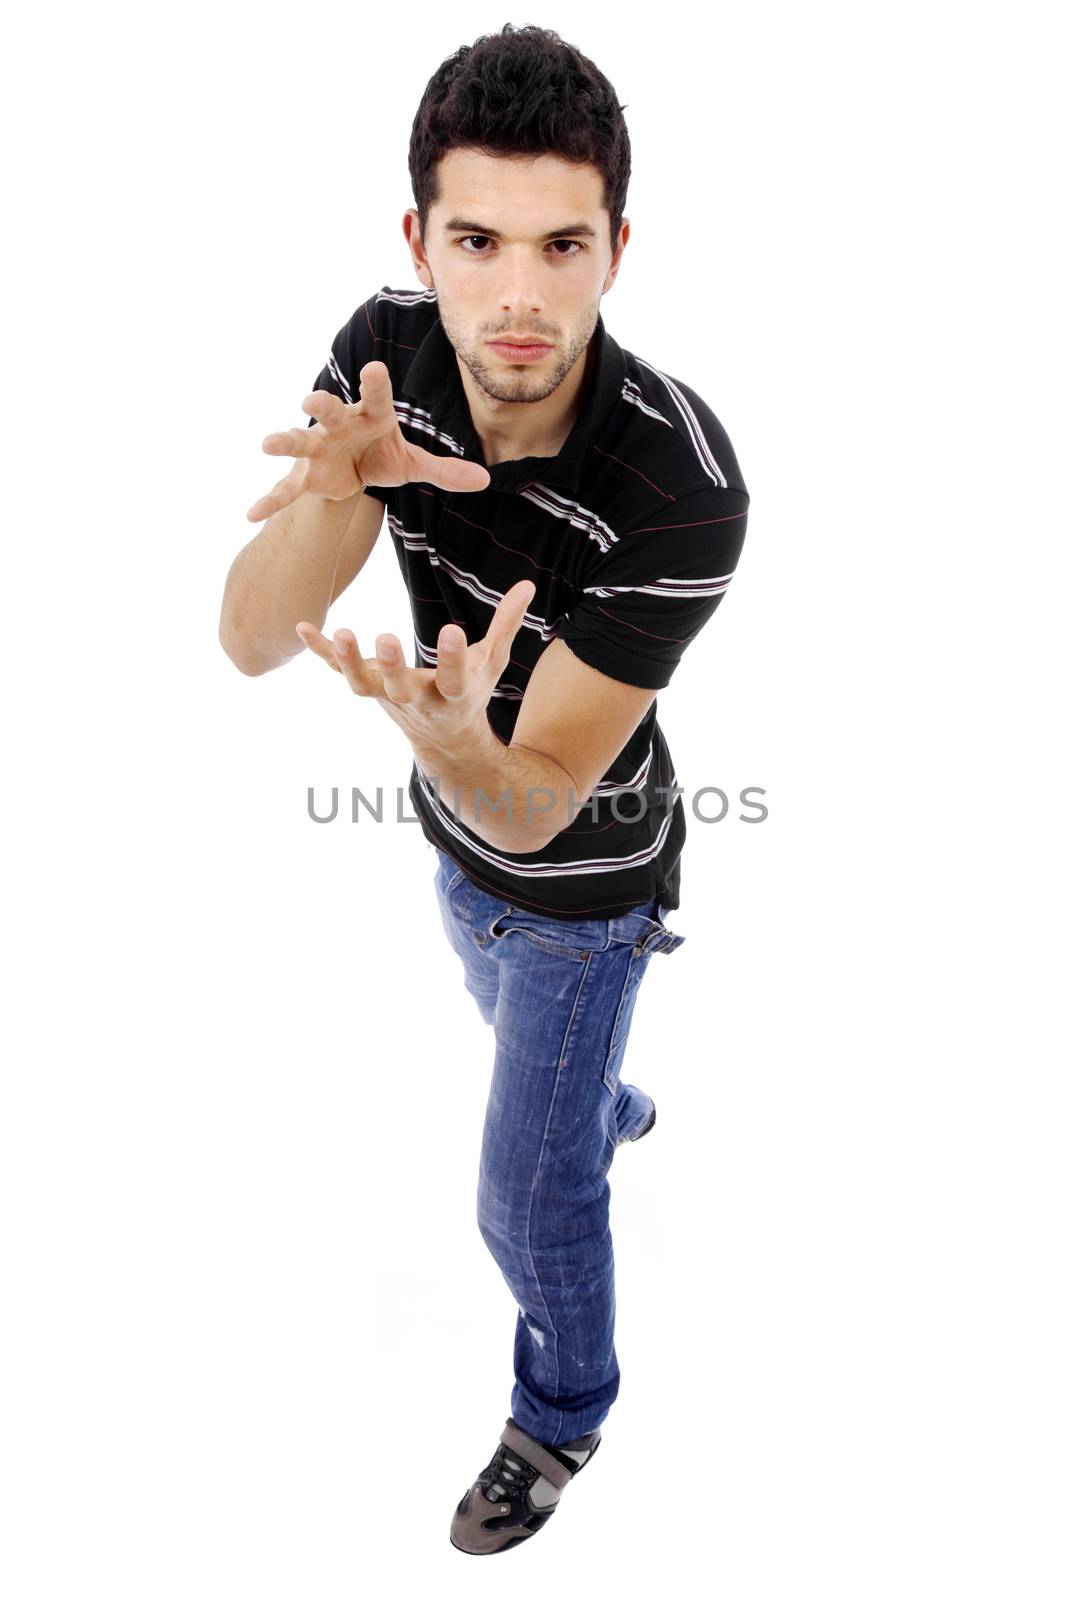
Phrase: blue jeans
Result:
[559,995]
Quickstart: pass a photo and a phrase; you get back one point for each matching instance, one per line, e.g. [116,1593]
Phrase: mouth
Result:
[531,351]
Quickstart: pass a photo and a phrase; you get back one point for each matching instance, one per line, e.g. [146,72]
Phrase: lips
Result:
[518,352]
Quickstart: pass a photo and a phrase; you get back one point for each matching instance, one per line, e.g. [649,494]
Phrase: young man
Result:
[566,517]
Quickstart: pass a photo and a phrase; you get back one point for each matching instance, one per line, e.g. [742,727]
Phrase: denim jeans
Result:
[560,996]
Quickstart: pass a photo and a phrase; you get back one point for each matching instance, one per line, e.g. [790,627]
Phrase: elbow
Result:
[531,840]
[539,833]
[516,839]
[527,845]
[250,669]
[246,660]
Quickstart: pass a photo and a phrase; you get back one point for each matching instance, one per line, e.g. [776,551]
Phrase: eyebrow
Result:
[576,229]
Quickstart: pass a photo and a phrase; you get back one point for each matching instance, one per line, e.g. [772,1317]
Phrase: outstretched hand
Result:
[438,708]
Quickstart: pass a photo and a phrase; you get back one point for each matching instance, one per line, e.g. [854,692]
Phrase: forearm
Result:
[283,576]
[513,798]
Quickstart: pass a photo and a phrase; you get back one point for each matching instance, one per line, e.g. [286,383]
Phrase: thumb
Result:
[508,618]
[446,472]
[524,591]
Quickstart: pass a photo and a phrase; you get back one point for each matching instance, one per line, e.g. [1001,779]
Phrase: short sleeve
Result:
[647,596]
[356,343]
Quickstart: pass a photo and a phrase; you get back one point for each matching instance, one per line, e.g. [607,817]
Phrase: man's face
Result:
[535,273]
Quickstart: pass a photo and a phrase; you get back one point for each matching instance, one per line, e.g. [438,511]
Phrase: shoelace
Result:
[506,1476]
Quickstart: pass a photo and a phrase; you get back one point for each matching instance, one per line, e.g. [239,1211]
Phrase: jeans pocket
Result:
[447,874]
[575,940]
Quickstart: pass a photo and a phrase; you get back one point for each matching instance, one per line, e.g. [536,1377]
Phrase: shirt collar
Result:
[434,380]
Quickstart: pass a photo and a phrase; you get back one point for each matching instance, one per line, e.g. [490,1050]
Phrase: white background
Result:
[253,1344]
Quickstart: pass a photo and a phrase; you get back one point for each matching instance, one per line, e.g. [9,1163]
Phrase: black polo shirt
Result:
[631,534]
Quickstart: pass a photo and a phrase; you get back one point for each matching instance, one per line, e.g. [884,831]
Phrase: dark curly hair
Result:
[522,91]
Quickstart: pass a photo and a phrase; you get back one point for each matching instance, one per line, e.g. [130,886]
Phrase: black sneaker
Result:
[518,1491]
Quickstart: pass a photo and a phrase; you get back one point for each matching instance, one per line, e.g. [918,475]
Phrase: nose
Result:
[519,307]
[521,298]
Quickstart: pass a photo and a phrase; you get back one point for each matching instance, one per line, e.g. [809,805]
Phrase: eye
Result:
[467,237]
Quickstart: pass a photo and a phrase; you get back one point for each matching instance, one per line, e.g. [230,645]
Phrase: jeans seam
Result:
[569,952]
[560,1065]
[632,980]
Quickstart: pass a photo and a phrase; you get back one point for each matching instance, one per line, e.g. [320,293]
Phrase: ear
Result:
[616,260]
[413,235]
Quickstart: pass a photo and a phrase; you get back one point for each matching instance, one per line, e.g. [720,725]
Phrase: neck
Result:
[509,430]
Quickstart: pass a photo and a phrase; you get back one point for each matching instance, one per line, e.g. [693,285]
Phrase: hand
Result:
[438,708]
[357,444]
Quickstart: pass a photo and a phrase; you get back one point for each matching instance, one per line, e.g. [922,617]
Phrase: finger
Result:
[397,680]
[446,472]
[290,442]
[452,676]
[362,678]
[285,491]
[328,410]
[318,644]
[376,392]
[336,651]
[507,620]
